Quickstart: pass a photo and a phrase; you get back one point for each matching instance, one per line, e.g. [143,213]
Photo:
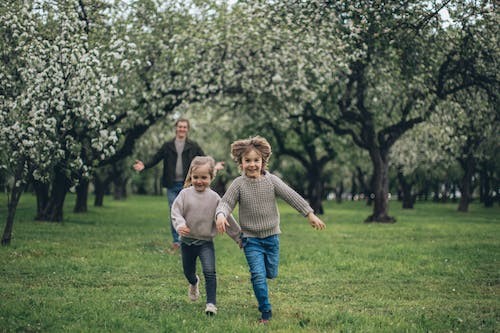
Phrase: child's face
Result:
[251,163]
[201,178]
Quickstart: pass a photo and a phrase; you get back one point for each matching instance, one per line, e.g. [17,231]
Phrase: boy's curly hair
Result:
[257,143]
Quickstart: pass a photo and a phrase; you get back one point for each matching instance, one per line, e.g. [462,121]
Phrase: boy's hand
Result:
[221,223]
[315,222]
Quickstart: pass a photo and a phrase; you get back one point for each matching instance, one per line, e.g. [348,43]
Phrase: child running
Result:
[255,191]
[193,213]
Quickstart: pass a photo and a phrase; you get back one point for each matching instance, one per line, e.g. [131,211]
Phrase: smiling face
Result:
[251,164]
[181,129]
[201,177]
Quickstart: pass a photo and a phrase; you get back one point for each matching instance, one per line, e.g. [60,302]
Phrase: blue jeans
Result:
[172,193]
[206,252]
[262,256]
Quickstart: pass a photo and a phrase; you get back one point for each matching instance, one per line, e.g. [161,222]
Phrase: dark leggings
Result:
[206,253]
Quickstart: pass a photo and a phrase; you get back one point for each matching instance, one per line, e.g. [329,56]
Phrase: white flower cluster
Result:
[57,113]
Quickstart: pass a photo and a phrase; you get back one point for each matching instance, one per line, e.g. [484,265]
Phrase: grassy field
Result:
[435,270]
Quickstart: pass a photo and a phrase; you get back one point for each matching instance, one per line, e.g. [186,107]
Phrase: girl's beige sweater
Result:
[197,210]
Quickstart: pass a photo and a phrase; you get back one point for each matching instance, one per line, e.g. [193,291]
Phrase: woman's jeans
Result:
[262,256]
[172,193]
[206,252]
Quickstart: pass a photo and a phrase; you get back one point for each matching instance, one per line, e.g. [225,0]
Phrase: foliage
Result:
[56,89]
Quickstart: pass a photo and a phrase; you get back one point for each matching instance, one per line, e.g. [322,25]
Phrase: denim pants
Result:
[206,253]
[262,256]
[172,193]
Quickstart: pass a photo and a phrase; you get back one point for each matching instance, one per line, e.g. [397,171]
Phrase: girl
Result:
[255,191]
[193,214]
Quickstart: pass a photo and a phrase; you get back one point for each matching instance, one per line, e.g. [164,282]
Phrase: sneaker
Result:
[194,290]
[211,309]
[265,317]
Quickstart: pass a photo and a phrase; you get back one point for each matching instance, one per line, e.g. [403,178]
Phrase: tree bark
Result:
[468,166]
[53,212]
[157,187]
[15,195]
[339,191]
[354,187]
[42,198]
[99,191]
[315,192]
[406,188]
[82,193]
[380,187]
[365,188]
[120,189]
[101,187]
[119,181]
[485,191]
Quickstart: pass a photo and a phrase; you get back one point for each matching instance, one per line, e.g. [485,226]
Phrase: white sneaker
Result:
[211,310]
[194,290]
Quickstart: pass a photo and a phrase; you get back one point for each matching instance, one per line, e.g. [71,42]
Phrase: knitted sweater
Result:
[197,210]
[256,197]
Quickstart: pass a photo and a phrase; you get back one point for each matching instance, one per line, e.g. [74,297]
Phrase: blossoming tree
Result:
[56,88]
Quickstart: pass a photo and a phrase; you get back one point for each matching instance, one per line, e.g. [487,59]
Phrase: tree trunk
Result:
[157,187]
[370,191]
[406,188]
[101,184]
[354,187]
[15,195]
[468,166]
[119,189]
[315,191]
[380,188]
[82,193]
[42,198]
[119,182]
[453,192]
[435,196]
[339,191]
[53,212]
[485,191]
[365,188]
[423,195]
[446,193]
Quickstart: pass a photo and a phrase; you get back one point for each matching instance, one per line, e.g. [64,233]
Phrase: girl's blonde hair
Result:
[240,147]
[196,163]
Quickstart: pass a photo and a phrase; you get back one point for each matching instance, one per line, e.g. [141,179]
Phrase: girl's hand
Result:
[315,222]
[221,223]
[184,230]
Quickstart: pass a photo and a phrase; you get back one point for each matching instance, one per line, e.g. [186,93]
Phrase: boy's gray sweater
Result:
[197,210]
[258,212]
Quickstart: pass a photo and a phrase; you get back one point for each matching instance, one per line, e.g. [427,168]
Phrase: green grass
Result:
[435,270]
